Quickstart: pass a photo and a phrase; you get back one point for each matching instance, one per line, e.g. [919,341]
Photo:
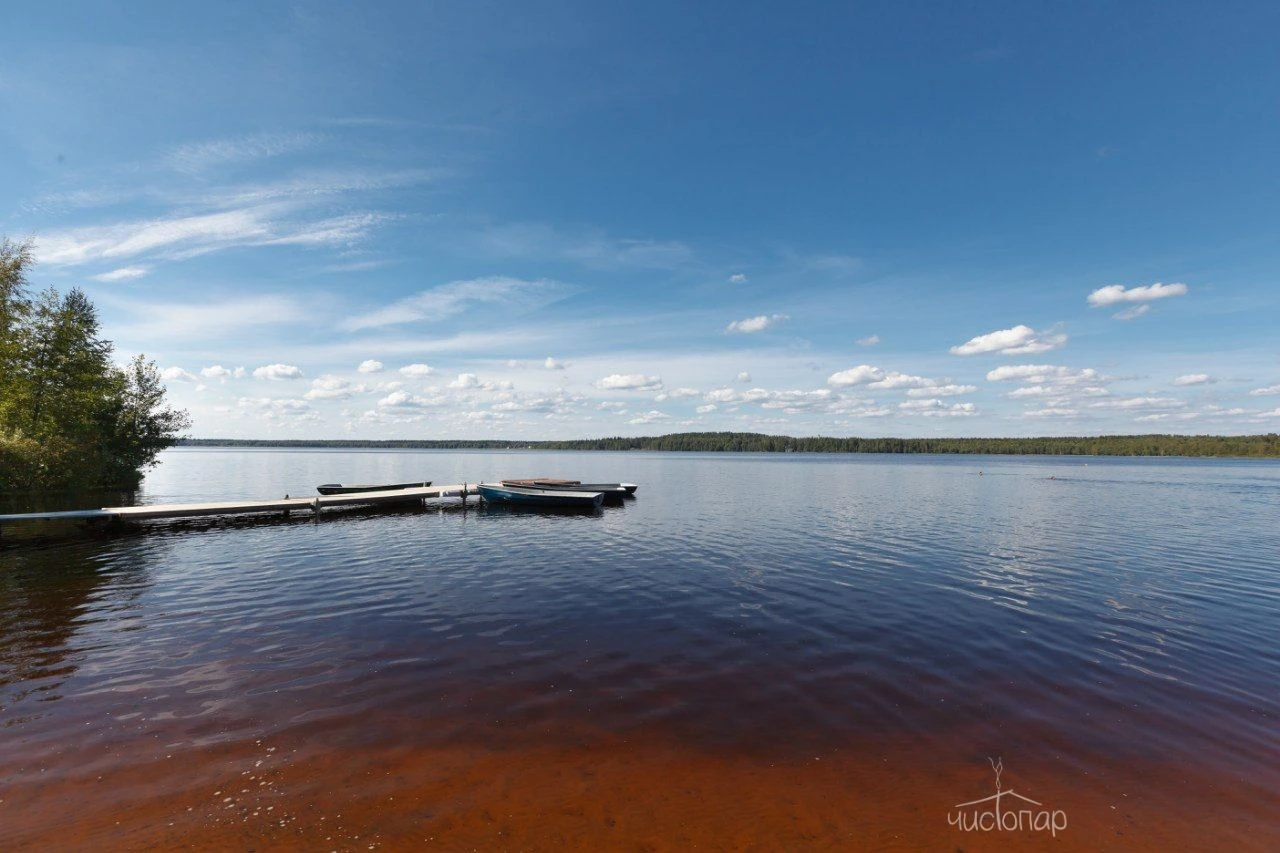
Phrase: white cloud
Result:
[456,297]
[1194,379]
[787,400]
[743,376]
[937,409]
[486,417]
[860,375]
[177,374]
[370,365]
[221,373]
[738,278]
[1114,294]
[1263,392]
[706,409]
[417,371]
[1132,313]
[122,274]
[1044,373]
[869,341]
[630,382]
[277,371]
[272,409]
[1140,403]
[464,382]
[552,364]
[755,324]
[680,393]
[894,380]
[1020,340]
[650,417]
[940,390]
[405,400]
[330,387]
[1052,412]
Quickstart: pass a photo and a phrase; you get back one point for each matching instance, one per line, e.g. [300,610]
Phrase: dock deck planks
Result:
[195,510]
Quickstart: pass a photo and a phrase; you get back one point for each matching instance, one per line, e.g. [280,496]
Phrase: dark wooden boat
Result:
[340,489]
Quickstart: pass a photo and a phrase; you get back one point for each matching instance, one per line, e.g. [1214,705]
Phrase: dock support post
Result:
[286,509]
[315,509]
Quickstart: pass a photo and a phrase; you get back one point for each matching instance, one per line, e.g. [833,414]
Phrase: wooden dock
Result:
[285,505]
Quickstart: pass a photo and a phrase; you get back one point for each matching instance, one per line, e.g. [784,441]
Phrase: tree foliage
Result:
[69,416]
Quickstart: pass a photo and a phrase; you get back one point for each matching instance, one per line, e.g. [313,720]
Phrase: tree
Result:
[69,416]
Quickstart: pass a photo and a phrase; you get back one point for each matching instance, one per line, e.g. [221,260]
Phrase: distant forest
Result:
[750,442]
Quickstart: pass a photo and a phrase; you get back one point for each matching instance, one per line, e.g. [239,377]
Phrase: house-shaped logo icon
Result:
[1005,811]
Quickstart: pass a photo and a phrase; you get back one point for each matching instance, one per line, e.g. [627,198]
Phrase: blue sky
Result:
[582,219]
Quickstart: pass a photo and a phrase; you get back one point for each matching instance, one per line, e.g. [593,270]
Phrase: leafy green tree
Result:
[69,416]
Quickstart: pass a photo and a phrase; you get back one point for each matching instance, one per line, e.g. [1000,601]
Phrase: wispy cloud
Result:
[122,274]
[1020,340]
[199,157]
[869,341]
[755,324]
[593,249]
[455,297]
[1140,403]
[1194,379]
[1262,392]
[203,321]
[188,236]
[1132,313]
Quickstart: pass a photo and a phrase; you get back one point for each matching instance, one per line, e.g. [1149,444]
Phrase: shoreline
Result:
[1261,446]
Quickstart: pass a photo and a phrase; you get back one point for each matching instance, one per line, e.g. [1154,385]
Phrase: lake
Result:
[773,652]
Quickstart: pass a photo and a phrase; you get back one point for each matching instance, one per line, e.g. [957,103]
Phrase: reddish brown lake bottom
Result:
[589,790]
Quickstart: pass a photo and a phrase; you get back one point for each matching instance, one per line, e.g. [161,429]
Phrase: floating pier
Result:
[285,505]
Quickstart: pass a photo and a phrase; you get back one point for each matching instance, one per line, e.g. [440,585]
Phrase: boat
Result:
[549,483]
[340,489]
[613,492]
[533,496]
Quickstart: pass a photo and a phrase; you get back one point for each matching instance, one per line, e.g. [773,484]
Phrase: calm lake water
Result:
[758,652]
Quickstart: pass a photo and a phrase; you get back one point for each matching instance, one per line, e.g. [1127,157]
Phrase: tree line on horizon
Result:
[1267,445]
[70,418]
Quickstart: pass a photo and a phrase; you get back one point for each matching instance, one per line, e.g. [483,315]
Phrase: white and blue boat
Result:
[501,493]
